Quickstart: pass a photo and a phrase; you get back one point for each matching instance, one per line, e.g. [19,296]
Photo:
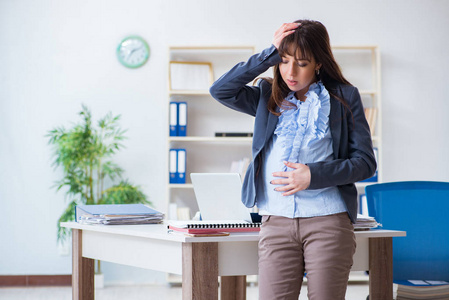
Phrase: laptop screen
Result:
[219,196]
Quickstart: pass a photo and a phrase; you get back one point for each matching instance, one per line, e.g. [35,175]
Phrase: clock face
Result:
[133,52]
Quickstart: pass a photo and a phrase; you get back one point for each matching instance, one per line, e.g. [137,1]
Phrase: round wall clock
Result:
[133,52]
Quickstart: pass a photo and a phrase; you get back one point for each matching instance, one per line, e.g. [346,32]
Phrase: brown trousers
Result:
[322,247]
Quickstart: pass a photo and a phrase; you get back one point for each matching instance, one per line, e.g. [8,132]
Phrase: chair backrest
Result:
[422,209]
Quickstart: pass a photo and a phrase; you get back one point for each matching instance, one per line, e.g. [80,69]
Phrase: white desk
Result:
[200,260]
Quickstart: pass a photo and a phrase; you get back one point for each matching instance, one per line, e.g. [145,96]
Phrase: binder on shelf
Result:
[182,118]
[177,166]
[181,171]
[173,119]
[374,178]
[173,165]
[178,118]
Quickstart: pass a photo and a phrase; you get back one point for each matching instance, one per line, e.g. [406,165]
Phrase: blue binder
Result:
[173,165]
[181,171]
[173,119]
[182,118]
[177,166]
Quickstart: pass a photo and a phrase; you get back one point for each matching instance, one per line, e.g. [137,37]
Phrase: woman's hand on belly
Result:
[292,181]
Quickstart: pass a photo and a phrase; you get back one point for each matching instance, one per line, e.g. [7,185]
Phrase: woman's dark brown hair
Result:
[309,40]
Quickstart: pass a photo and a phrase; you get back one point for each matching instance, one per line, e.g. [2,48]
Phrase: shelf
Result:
[210,139]
[181,186]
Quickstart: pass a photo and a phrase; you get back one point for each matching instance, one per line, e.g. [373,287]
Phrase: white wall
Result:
[55,55]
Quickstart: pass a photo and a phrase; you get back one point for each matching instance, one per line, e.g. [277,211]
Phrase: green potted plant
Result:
[84,153]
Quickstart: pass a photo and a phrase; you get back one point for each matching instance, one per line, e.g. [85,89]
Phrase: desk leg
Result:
[82,270]
[381,268]
[233,287]
[200,271]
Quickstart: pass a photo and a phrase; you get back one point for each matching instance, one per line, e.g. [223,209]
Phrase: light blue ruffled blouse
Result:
[302,135]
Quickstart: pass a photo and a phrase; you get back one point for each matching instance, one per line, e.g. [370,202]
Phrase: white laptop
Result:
[219,196]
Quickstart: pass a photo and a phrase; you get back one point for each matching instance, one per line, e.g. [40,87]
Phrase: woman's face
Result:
[298,74]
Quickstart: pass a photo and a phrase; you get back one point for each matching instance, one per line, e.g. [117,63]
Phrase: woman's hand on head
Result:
[283,31]
[292,181]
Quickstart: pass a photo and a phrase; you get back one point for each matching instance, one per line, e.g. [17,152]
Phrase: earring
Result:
[318,72]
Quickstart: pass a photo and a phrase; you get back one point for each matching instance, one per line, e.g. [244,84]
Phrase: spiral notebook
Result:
[204,227]
[219,199]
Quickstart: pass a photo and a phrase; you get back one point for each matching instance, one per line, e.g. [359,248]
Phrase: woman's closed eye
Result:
[298,63]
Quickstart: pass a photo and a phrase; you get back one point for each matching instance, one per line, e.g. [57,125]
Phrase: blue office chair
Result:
[422,209]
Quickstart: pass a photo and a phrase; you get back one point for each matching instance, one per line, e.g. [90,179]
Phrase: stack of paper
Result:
[436,290]
[365,222]
[117,214]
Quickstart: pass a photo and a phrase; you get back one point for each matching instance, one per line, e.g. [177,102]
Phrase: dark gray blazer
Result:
[352,145]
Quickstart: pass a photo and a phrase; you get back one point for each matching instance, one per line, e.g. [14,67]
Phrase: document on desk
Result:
[117,214]
[365,223]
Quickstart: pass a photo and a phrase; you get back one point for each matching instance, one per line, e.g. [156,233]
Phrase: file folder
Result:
[173,119]
[181,172]
[182,118]
[173,161]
